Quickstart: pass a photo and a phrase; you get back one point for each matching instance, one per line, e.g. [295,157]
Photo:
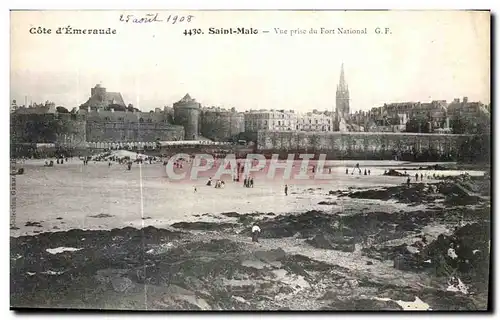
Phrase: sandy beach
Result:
[135,239]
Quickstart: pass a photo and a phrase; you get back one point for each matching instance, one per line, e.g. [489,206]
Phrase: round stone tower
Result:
[187,114]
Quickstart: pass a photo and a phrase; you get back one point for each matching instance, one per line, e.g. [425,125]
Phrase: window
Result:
[141,120]
[297,127]
[279,123]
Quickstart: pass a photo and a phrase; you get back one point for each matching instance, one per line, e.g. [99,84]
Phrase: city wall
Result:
[364,145]
[100,131]
[221,126]
[61,129]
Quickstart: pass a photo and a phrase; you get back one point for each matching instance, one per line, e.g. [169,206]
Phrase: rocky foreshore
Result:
[314,260]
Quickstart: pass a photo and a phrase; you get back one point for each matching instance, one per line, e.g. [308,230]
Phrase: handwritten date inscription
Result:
[154,17]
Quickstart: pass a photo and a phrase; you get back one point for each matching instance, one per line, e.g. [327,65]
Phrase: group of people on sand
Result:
[248,182]
[59,160]
[356,167]
[219,184]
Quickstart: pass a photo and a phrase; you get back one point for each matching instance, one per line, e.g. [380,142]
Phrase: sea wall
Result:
[364,145]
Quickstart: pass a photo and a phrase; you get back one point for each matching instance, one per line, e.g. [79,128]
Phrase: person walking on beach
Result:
[346,171]
[408,181]
[286,190]
[369,172]
[421,176]
[255,233]
[251,182]
[416,176]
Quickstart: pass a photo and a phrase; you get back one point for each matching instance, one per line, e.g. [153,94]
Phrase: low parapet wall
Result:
[364,145]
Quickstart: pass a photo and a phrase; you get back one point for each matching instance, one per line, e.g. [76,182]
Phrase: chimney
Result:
[466,99]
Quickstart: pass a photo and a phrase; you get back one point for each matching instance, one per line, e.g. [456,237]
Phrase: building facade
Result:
[101,99]
[315,121]
[270,120]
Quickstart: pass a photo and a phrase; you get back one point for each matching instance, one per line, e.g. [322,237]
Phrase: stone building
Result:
[315,121]
[34,108]
[187,114]
[125,126]
[220,124]
[271,120]
[472,116]
[101,99]
[467,109]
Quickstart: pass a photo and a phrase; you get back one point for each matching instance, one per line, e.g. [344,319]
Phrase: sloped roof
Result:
[109,98]
[115,98]
[187,98]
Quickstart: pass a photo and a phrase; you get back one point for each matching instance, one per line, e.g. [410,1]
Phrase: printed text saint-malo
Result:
[232,31]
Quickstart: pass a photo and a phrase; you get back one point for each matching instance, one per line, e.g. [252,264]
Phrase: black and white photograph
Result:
[250,160]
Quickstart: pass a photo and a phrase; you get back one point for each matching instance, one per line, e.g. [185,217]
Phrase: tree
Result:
[62,110]
[417,126]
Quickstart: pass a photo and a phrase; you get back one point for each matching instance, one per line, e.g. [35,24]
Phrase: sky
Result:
[429,55]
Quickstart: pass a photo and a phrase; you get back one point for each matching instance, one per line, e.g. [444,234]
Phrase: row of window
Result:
[141,120]
[297,127]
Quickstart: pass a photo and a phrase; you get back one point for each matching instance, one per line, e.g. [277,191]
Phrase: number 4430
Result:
[192,32]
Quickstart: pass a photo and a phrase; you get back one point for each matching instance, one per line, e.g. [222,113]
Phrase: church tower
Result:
[342,98]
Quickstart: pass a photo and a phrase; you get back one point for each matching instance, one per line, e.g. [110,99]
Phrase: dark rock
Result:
[308,224]
[330,203]
[271,255]
[395,173]
[33,224]
[101,215]
[362,305]
[231,214]
[369,263]
[201,225]
[322,241]
[404,262]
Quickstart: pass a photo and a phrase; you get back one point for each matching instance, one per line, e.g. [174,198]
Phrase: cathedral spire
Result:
[342,82]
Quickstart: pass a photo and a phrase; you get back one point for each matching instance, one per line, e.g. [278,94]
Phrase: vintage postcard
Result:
[250,160]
